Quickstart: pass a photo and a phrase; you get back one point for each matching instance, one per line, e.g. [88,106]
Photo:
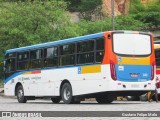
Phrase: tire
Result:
[66,94]
[104,99]
[56,100]
[20,95]
[144,97]
[132,98]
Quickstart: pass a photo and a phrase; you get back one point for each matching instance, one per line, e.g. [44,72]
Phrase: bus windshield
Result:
[131,44]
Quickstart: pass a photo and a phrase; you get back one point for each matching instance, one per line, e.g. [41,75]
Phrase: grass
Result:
[1,83]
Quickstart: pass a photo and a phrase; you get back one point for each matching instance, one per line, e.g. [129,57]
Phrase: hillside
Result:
[121,7]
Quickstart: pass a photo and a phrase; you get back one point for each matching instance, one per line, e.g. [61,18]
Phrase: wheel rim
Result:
[20,94]
[67,93]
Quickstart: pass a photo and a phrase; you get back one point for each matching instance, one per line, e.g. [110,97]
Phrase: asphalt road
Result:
[11,104]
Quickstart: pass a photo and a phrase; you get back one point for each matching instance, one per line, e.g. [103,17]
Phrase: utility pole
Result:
[112,7]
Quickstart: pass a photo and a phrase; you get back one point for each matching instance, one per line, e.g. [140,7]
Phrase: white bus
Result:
[101,66]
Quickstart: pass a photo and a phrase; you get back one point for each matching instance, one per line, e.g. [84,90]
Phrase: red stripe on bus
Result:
[36,72]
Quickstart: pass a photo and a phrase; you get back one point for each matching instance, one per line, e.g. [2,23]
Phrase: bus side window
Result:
[23,60]
[99,49]
[36,58]
[85,52]
[51,57]
[10,65]
[67,54]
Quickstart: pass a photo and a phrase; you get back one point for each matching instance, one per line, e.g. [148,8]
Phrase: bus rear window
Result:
[131,44]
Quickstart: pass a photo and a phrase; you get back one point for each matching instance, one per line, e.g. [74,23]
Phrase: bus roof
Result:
[56,42]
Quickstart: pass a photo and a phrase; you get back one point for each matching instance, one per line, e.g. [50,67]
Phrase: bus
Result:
[101,66]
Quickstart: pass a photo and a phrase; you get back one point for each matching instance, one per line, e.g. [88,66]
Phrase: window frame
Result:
[94,51]
[78,53]
[99,50]
[74,54]
[23,60]
[41,59]
[52,58]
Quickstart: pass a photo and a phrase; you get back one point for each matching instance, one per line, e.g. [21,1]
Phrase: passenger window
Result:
[51,52]
[100,44]
[36,59]
[67,49]
[23,60]
[67,54]
[23,56]
[36,54]
[10,55]
[99,49]
[86,46]
[10,65]
[51,57]
[85,58]
[85,52]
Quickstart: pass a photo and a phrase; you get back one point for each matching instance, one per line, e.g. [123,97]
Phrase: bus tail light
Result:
[113,70]
[152,71]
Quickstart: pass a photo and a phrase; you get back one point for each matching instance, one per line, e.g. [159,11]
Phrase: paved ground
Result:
[11,104]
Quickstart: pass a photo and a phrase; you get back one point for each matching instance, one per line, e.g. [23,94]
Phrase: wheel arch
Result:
[62,83]
[18,84]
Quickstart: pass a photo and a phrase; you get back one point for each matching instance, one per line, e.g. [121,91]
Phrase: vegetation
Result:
[146,13]
[29,22]
[1,83]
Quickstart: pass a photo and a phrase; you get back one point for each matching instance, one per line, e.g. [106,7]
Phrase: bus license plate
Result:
[135,86]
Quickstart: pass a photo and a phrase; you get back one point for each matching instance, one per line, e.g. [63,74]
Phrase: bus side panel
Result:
[9,88]
[46,83]
[90,83]
[10,85]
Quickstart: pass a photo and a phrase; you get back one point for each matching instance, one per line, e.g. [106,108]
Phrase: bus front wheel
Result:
[66,94]
[20,95]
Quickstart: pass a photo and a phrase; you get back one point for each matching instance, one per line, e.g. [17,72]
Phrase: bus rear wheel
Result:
[66,94]
[20,95]
[56,100]
[104,99]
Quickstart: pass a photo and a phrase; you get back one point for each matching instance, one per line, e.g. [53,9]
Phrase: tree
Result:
[33,22]
[149,13]
[129,23]
[88,9]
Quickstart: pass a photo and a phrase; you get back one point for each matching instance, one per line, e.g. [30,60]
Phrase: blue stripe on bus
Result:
[126,73]
[13,76]
[81,38]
